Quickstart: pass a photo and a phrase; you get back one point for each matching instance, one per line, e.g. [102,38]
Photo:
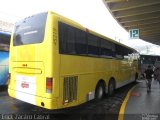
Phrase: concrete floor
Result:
[106,109]
[143,105]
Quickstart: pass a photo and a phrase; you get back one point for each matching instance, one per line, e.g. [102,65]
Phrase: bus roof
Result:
[76,24]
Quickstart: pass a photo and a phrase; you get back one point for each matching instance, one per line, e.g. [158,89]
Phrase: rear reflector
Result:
[49,82]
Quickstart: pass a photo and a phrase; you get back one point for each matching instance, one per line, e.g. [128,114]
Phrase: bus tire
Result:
[111,87]
[100,91]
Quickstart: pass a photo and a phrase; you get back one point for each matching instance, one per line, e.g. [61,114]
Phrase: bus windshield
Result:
[30,30]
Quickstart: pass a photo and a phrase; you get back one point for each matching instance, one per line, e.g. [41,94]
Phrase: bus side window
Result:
[81,42]
[62,38]
[70,40]
[93,48]
[119,53]
[106,48]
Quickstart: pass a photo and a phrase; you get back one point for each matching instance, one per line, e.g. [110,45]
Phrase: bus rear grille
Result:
[70,89]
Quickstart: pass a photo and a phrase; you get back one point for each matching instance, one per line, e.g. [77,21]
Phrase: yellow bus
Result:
[56,63]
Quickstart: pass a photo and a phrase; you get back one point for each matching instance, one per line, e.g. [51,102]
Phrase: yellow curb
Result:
[122,109]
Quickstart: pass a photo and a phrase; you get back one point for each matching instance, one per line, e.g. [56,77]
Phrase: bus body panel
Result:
[3,67]
[4,57]
[90,71]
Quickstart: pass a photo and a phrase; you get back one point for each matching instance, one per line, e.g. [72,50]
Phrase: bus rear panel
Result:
[31,69]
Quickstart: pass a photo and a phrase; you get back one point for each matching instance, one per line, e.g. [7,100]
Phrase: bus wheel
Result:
[99,93]
[111,88]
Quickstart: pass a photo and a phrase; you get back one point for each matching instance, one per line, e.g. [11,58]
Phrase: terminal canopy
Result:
[138,14]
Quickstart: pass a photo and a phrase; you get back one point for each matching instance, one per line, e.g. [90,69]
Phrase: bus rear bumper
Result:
[33,99]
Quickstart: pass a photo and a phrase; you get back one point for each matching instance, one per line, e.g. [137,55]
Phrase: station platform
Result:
[140,104]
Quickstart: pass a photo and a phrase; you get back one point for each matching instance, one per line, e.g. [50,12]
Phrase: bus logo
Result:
[24,65]
[24,85]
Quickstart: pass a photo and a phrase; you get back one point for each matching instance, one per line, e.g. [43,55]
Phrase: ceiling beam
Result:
[113,1]
[151,39]
[131,4]
[150,35]
[139,17]
[150,26]
[137,11]
[142,22]
[150,30]
[147,38]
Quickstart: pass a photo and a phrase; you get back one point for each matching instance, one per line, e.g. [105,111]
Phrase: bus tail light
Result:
[49,82]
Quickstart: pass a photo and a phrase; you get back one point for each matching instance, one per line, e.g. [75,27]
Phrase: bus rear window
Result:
[30,30]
